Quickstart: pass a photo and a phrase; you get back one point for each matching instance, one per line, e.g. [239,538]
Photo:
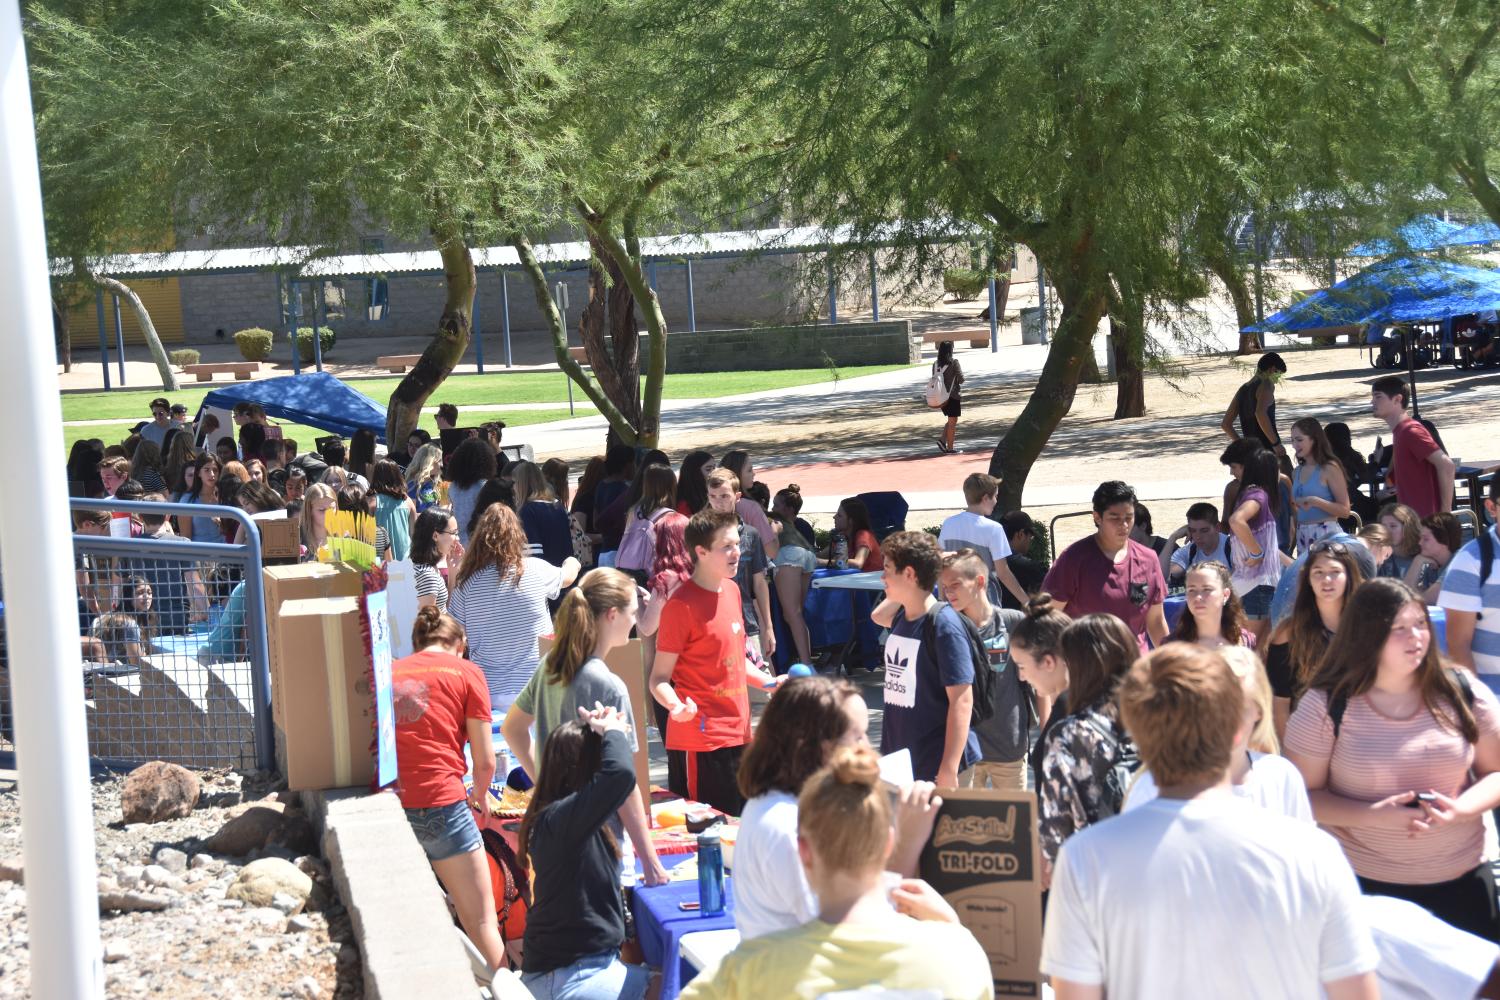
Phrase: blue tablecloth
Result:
[831,615]
[660,925]
[1173,607]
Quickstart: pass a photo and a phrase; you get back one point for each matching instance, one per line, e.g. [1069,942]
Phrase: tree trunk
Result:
[1224,268]
[1018,450]
[626,257]
[62,336]
[622,428]
[148,329]
[1127,341]
[610,337]
[449,342]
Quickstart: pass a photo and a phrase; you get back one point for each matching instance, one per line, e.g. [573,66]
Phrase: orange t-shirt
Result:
[876,559]
[707,632]
[434,694]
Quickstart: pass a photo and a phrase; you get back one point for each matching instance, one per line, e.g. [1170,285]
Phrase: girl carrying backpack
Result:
[638,545]
[943,391]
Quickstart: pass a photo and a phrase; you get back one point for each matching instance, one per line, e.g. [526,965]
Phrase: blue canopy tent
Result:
[1477,234]
[1404,290]
[1425,232]
[316,399]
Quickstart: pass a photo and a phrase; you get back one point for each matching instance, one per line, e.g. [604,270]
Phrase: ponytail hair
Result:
[1040,632]
[576,624]
[434,628]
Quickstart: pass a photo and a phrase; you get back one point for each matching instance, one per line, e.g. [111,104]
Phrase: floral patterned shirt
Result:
[1077,761]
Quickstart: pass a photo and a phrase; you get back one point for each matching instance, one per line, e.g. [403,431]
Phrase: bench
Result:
[579,354]
[241,370]
[977,337]
[397,363]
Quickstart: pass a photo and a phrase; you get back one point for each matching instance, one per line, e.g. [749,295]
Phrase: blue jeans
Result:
[445,831]
[593,977]
[1257,603]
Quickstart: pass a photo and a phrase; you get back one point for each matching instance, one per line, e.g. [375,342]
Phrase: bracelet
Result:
[1256,555]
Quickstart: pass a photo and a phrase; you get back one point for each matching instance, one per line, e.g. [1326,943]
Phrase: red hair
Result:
[673,563]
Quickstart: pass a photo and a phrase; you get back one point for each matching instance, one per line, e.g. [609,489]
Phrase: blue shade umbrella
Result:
[1404,290]
[1425,232]
[316,399]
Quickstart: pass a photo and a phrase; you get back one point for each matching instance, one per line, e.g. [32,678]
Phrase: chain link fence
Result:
[172,638]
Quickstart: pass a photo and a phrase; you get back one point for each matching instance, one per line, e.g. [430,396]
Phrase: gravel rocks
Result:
[168,929]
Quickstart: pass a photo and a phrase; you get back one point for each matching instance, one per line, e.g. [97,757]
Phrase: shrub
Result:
[305,343]
[184,357]
[254,344]
[967,283]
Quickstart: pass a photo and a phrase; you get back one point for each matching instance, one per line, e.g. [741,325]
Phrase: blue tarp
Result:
[1405,290]
[1475,235]
[1426,232]
[316,399]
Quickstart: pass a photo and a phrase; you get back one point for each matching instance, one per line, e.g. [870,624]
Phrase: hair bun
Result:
[856,766]
[793,488]
[1040,605]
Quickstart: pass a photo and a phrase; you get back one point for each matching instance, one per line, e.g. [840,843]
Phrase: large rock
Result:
[248,830]
[260,882]
[157,791]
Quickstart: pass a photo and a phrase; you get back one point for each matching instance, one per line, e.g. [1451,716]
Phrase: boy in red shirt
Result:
[700,675]
[1421,472]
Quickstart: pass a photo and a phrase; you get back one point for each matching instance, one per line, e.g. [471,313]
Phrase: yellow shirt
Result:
[816,958]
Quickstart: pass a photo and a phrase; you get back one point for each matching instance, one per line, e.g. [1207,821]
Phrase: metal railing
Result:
[173,640]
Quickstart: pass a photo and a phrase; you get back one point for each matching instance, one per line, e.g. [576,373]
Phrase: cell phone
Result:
[1427,797]
[688,905]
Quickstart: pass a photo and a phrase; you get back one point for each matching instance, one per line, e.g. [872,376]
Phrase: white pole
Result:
[46,677]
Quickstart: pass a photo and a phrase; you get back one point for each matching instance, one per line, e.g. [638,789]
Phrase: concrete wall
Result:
[763,348]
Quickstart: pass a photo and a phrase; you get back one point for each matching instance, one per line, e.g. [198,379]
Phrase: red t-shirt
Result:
[433,694]
[707,632]
[685,509]
[875,561]
[1414,477]
[1090,583]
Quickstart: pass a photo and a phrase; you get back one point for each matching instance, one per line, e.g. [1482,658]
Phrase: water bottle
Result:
[710,873]
[627,862]
[840,551]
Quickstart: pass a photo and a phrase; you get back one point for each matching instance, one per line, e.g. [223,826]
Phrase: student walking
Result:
[951,375]
[1252,411]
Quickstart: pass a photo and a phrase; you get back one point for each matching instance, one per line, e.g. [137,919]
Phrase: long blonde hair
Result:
[1247,666]
[308,521]
[426,464]
[576,624]
[530,484]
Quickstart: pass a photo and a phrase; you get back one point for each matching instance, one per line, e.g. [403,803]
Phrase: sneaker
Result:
[942,446]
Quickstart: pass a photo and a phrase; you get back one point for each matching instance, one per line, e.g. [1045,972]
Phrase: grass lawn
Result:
[113,433]
[495,390]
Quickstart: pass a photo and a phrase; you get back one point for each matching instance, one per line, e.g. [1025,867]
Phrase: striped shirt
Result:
[1375,757]
[430,584]
[504,619]
[1462,592]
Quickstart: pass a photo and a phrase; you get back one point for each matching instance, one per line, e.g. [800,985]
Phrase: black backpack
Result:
[1126,760]
[984,674]
[1340,703]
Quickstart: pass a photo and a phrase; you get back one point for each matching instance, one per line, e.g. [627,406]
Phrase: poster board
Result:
[983,858]
[627,663]
[401,604]
[385,712]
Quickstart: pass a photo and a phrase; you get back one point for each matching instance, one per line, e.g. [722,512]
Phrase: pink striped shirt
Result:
[1377,756]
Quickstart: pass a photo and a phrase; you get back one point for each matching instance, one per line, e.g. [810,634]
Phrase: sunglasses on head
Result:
[1336,548]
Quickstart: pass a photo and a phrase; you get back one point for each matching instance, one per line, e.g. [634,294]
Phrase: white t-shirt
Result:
[1424,958]
[1273,783]
[1210,897]
[1220,554]
[967,530]
[770,888]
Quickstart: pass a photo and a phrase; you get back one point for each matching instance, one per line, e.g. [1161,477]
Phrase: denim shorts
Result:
[445,831]
[1257,602]
[593,977]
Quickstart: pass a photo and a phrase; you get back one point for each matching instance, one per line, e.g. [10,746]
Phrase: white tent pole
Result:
[46,677]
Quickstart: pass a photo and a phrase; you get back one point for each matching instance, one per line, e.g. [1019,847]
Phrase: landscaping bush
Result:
[967,283]
[305,342]
[254,344]
[184,357]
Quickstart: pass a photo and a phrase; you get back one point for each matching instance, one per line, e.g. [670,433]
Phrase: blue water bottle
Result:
[710,873]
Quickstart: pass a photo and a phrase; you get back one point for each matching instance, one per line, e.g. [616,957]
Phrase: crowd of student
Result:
[1179,770]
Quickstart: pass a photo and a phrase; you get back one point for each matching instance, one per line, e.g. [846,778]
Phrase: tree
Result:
[307,123]
[1081,136]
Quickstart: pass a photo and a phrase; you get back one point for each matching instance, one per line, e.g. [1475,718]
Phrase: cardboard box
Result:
[627,663]
[983,859]
[327,709]
[297,583]
[280,537]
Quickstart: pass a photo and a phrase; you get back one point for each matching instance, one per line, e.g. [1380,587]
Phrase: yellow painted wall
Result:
[162,299]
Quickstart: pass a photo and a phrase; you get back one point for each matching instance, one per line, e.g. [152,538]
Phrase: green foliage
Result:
[966,283]
[184,357]
[326,338]
[254,343]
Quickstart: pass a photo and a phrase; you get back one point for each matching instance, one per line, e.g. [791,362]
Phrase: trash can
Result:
[1031,326]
